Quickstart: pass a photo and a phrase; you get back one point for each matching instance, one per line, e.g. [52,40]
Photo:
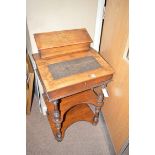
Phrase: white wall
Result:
[51,15]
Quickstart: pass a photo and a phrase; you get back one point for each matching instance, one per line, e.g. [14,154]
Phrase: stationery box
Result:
[53,44]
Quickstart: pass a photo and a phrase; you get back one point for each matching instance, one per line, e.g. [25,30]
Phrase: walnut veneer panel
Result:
[56,43]
[57,51]
[77,113]
[87,97]
[72,80]
[74,83]
[61,38]
[73,108]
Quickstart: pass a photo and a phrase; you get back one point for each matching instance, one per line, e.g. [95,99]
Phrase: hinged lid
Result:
[62,38]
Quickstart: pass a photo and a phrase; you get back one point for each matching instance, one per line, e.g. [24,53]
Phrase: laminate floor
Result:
[81,138]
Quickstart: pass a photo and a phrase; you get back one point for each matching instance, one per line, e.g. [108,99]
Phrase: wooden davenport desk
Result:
[72,75]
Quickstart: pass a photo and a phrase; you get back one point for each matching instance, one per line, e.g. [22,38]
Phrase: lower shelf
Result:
[72,109]
[66,103]
[80,112]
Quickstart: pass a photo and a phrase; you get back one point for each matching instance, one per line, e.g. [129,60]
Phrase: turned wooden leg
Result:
[98,109]
[96,117]
[57,120]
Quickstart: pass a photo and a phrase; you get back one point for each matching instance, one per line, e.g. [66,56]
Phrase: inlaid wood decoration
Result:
[72,75]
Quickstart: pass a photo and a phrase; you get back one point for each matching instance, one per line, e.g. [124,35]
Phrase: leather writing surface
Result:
[72,67]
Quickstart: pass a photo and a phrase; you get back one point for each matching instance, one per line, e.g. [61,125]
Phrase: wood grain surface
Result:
[73,83]
[86,97]
[73,109]
[29,84]
[55,52]
[114,43]
[67,97]
[61,38]
[51,44]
